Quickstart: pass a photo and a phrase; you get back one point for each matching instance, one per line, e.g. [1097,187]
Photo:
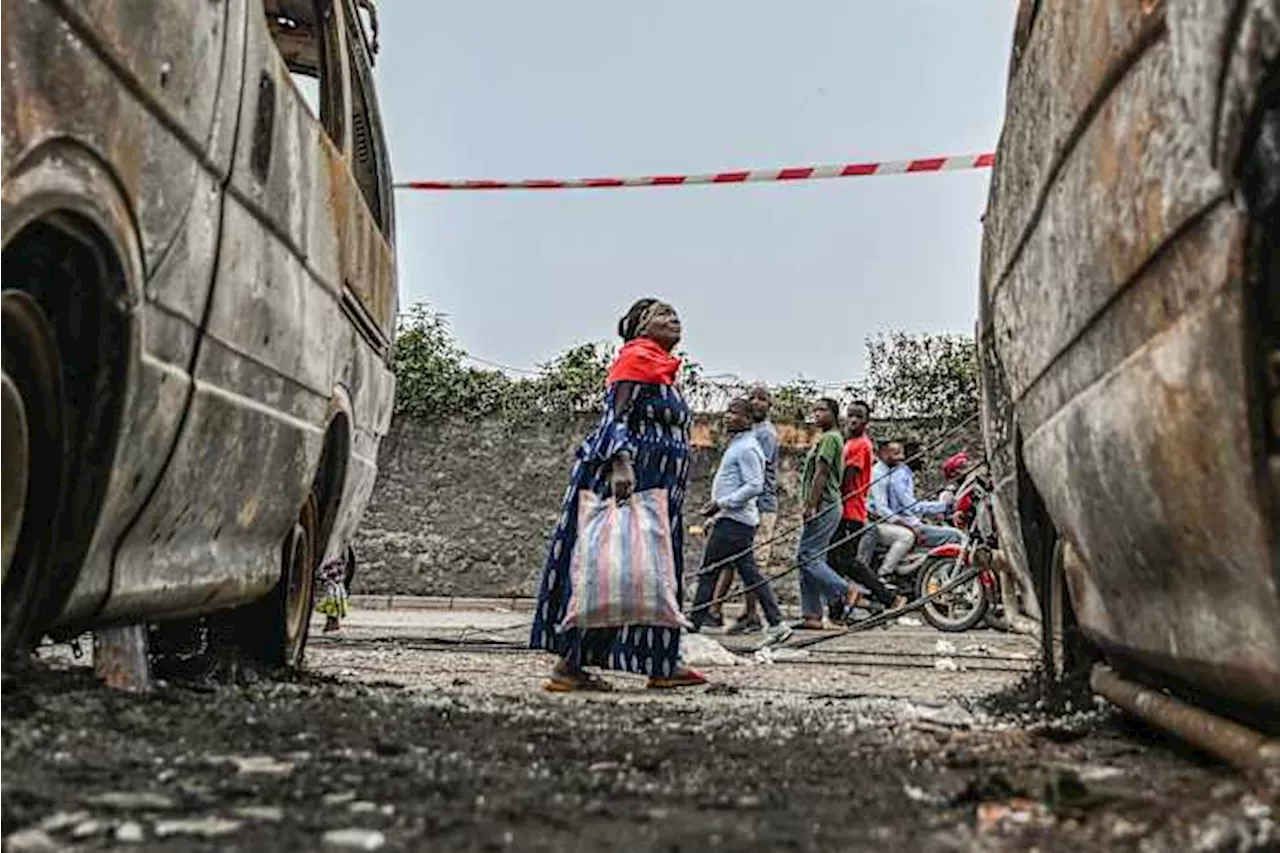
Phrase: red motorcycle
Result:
[967,604]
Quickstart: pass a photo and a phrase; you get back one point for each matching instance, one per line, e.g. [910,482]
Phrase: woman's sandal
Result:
[681,678]
[576,682]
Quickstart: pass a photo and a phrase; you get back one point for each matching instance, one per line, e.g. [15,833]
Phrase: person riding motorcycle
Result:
[897,538]
[904,509]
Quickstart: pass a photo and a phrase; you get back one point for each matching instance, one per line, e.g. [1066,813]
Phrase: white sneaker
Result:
[776,635]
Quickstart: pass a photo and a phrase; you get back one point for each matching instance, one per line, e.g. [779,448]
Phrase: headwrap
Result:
[646,316]
[642,360]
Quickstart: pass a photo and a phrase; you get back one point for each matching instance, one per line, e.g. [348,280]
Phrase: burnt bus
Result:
[199,300]
[1129,338]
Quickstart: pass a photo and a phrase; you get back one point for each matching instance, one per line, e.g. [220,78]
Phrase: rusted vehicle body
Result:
[199,301]
[1129,334]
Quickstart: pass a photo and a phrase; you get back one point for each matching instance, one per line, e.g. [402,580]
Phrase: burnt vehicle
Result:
[1129,338]
[199,300]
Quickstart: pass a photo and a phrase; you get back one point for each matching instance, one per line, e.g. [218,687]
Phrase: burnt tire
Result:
[957,610]
[273,632]
[1065,652]
[33,455]
[269,634]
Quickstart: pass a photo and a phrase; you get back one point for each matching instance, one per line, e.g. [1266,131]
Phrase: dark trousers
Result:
[730,538]
[847,559]
[867,544]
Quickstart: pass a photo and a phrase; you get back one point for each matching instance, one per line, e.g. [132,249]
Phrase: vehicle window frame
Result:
[364,96]
[329,71]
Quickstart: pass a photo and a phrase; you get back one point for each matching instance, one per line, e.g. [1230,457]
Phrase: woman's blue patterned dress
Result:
[654,427]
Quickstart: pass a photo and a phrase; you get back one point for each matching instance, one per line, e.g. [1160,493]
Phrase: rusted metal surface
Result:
[1072,56]
[264,295]
[120,658]
[1234,744]
[278,345]
[1114,333]
[83,131]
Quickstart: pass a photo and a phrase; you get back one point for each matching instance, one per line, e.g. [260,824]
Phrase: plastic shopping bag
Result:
[622,569]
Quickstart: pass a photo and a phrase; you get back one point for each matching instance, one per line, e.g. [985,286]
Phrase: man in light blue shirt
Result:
[906,510]
[767,502]
[738,483]
[898,538]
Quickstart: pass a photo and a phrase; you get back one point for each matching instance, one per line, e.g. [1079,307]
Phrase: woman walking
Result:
[641,443]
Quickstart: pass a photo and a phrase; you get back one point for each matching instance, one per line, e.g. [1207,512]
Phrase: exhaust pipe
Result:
[1241,747]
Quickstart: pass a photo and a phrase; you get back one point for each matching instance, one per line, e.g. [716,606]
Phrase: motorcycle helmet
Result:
[954,465]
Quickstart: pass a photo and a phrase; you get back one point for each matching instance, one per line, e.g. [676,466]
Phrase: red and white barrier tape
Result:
[797,173]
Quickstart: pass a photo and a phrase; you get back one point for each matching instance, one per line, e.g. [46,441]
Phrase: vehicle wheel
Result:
[284,616]
[1066,654]
[301,582]
[269,634]
[957,610]
[32,425]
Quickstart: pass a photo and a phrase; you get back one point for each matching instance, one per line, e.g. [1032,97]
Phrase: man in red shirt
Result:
[859,457]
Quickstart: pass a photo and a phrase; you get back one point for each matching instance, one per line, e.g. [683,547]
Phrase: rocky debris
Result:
[130,832]
[127,801]
[254,764]
[354,839]
[207,827]
[30,841]
[701,650]
[273,814]
[771,654]
[58,821]
[462,771]
[89,828]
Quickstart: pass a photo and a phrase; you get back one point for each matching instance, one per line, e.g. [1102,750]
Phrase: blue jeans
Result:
[933,536]
[817,579]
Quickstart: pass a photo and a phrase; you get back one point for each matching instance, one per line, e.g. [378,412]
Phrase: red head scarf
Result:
[642,360]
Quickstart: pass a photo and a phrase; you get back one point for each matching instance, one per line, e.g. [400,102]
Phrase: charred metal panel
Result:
[172,50]
[64,85]
[370,413]
[210,534]
[1221,52]
[141,116]
[1113,335]
[1203,260]
[1163,509]
[1136,176]
[89,123]
[1074,51]
[278,345]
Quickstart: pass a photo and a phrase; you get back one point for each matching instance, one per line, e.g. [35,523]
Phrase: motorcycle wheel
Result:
[958,610]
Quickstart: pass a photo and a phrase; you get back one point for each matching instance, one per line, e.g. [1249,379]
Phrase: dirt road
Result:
[399,739]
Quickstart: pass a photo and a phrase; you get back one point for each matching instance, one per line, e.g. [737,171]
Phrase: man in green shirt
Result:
[820,487]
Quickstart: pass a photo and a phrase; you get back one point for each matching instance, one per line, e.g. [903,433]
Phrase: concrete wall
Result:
[466,507]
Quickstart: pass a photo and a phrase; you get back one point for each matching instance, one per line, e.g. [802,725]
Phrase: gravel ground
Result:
[392,742]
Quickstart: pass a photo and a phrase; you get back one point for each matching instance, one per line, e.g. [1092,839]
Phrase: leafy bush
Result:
[926,378]
[922,376]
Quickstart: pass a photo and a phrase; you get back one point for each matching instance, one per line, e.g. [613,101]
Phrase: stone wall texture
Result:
[466,507]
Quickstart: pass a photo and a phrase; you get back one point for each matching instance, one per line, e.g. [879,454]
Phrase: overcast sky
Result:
[773,281]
